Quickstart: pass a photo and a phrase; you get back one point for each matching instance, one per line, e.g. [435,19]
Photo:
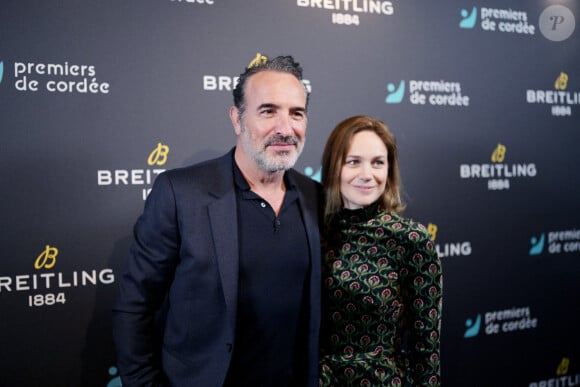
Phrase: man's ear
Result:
[235,118]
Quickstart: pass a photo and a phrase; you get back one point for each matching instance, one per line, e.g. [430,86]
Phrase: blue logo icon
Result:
[116,381]
[309,171]
[537,245]
[1,71]
[395,96]
[468,20]
[472,327]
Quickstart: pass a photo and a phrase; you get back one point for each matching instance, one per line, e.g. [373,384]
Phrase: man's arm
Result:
[143,288]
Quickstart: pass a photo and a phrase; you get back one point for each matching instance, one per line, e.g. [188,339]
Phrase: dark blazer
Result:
[184,261]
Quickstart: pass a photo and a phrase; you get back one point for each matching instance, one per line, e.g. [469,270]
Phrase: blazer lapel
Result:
[224,228]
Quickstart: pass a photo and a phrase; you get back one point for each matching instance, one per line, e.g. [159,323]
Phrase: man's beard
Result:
[283,160]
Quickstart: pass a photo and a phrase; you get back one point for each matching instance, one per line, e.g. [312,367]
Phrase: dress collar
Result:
[359,215]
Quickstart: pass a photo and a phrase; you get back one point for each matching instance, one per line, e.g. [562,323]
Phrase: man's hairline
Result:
[242,108]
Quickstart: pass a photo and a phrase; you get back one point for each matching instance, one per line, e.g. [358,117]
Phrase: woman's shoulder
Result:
[414,237]
[403,224]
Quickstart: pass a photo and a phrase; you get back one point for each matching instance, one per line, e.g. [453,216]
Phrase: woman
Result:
[381,275]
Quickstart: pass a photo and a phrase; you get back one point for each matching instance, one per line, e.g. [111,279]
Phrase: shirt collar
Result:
[242,184]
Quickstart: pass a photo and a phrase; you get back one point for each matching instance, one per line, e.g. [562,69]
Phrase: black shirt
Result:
[271,327]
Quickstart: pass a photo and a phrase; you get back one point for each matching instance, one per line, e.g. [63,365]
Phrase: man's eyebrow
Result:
[268,105]
[274,106]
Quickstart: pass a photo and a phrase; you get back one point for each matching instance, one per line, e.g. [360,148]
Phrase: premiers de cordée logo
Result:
[498,20]
[556,22]
[58,78]
[556,242]
[440,93]
[501,321]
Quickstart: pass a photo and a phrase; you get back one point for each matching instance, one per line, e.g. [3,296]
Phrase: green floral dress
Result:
[382,293]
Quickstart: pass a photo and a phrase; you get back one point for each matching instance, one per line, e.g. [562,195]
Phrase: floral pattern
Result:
[382,292]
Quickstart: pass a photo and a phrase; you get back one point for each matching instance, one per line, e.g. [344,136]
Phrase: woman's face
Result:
[363,176]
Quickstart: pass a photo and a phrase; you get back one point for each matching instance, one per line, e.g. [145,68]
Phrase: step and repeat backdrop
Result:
[99,97]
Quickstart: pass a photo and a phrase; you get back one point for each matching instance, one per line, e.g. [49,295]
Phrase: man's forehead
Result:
[269,78]
[273,84]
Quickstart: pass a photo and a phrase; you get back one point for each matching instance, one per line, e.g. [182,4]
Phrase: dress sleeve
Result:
[423,285]
[143,288]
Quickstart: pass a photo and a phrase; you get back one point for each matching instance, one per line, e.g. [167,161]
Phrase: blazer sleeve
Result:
[143,287]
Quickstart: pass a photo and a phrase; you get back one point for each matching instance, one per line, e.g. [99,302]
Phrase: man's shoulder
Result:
[208,169]
[210,176]
[308,188]
[303,181]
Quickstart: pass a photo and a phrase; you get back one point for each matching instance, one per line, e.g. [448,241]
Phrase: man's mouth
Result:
[282,142]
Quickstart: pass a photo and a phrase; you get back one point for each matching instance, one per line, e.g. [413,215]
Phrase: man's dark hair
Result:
[283,64]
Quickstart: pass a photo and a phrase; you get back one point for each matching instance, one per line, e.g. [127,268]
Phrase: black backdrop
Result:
[96,97]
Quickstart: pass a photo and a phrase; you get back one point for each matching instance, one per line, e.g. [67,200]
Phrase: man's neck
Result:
[269,185]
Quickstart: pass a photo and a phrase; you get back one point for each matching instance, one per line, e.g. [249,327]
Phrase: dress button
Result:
[263,205]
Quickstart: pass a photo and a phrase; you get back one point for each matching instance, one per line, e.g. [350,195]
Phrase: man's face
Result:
[272,131]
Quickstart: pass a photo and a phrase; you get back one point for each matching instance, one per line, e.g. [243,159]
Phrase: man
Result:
[225,265]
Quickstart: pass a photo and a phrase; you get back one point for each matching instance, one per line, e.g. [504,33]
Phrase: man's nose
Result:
[284,125]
